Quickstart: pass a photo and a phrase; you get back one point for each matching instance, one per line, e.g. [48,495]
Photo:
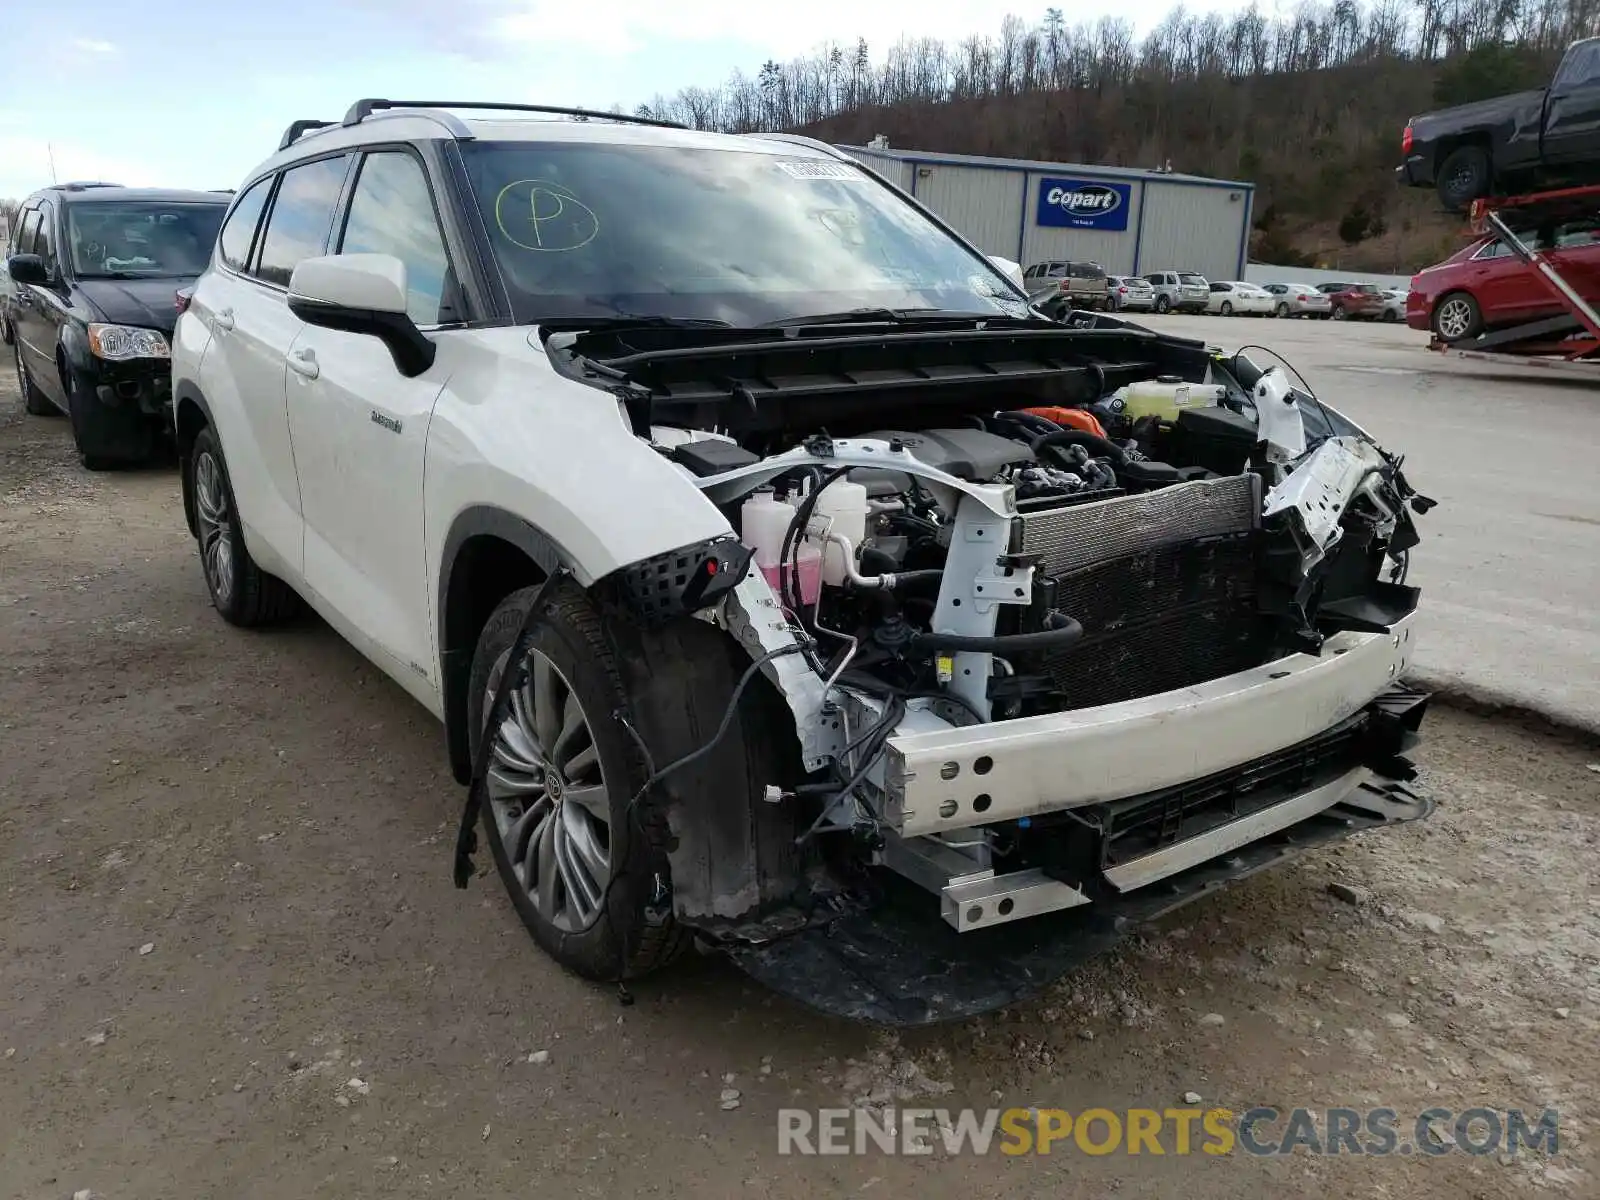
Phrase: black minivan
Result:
[96,270]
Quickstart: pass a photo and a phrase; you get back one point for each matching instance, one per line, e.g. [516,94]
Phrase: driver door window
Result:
[45,243]
[391,212]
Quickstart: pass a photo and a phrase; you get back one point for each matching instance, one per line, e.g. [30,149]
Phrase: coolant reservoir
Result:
[763,522]
[1164,398]
[841,509]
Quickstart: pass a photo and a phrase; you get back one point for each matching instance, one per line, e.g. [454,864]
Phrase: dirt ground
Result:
[233,964]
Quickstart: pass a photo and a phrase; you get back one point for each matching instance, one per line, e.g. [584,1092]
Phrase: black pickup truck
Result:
[1516,141]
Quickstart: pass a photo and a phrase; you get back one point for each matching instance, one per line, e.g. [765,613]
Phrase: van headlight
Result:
[121,342]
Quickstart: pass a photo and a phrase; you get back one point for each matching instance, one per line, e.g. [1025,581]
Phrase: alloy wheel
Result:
[215,528]
[1455,318]
[549,798]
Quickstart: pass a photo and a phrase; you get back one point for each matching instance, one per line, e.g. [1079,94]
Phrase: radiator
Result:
[1163,583]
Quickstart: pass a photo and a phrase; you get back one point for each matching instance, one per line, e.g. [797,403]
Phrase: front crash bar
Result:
[981,774]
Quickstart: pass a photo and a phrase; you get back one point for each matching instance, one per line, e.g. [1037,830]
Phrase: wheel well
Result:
[485,570]
[188,419]
[1450,295]
[1449,146]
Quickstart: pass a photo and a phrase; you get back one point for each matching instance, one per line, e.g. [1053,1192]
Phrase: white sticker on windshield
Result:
[814,168]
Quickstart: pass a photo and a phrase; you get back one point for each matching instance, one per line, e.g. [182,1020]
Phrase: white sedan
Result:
[1231,298]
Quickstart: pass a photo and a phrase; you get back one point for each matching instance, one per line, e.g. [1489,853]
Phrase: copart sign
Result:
[1084,203]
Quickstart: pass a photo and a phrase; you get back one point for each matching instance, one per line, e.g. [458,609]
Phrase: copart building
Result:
[1131,222]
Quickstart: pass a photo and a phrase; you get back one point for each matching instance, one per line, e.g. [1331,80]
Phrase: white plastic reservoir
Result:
[763,522]
[841,509]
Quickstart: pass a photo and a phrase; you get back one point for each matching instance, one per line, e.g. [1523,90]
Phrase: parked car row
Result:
[1083,285]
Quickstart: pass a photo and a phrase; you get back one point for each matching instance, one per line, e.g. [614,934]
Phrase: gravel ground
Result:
[232,962]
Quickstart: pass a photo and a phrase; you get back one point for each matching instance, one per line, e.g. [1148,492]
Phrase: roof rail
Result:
[362,109]
[81,185]
[298,129]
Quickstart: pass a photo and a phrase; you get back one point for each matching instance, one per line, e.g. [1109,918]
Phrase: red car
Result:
[1354,301]
[1485,286]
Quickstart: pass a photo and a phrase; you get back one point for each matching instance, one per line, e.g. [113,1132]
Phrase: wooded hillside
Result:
[1310,107]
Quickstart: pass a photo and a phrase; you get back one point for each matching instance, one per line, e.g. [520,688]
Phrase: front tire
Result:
[1463,177]
[1227,308]
[1339,313]
[240,590]
[34,401]
[1280,310]
[584,867]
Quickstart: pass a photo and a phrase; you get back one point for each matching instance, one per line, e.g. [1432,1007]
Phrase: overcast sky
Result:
[139,93]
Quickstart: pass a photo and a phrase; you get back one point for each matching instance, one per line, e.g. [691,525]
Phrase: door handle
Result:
[222,320]
[304,362]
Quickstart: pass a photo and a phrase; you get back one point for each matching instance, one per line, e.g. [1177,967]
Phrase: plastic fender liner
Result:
[731,854]
[682,581]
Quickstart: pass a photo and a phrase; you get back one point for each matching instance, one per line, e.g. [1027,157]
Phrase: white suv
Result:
[849,604]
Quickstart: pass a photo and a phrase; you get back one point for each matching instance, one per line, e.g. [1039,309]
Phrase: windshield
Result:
[110,239]
[1190,277]
[745,237]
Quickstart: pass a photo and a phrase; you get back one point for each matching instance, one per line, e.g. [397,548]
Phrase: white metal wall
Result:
[979,203]
[1172,224]
[1266,273]
[896,171]
[1192,228]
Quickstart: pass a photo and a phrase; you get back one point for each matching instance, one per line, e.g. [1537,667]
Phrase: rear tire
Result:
[1281,311]
[1464,176]
[1338,313]
[34,401]
[616,927]
[1162,304]
[241,591]
[1457,318]
[1227,309]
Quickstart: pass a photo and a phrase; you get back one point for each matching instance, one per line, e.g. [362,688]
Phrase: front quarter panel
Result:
[511,434]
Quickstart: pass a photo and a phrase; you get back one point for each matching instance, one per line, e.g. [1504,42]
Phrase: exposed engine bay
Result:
[983,620]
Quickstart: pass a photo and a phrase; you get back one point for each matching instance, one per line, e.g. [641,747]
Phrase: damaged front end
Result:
[1064,628]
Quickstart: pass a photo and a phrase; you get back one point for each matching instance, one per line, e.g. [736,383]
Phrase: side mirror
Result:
[362,293]
[28,268]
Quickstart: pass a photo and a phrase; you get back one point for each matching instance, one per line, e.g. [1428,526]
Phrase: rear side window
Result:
[391,212]
[239,232]
[1090,270]
[1220,287]
[1190,277]
[302,215]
